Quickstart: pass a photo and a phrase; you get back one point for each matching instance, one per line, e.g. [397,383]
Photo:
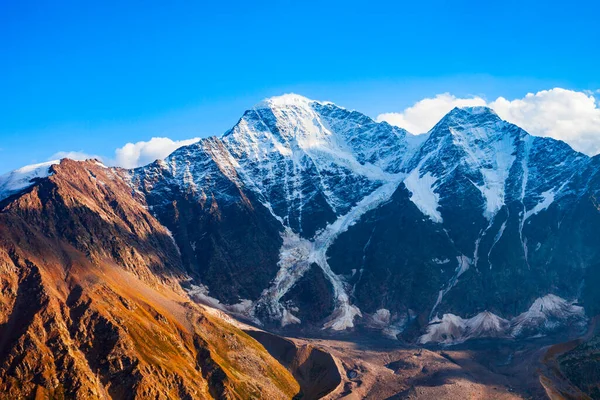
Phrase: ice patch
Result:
[100,164]
[389,326]
[547,314]
[423,194]
[547,200]
[496,239]
[448,329]
[452,329]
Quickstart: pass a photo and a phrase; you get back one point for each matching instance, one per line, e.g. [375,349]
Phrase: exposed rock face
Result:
[91,304]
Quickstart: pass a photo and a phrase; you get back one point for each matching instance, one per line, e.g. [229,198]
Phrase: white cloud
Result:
[73,155]
[571,116]
[426,113]
[568,115]
[141,153]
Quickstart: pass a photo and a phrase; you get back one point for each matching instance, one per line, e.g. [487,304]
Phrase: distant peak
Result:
[287,100]
[470,116]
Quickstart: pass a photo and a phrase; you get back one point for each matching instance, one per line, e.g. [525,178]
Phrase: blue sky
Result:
[91,76]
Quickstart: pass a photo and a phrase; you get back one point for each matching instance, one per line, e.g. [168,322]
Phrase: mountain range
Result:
[308,214]
[305,217]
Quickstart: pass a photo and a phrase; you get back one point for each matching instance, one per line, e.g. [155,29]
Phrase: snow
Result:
[524,182]
[281,145]
[294,261]
[547,314]
[287,100]
[170,234]
[290,150]
[292,155]
[486,324]
[447,330]
[288,318]
[343,317]
[382,317]
[452,329]
[464,263]
[547,200]
[474,142]
[423,194]
[100,164]
[20,179]
[382,320]
[298,254]
[490,152]
[496,239]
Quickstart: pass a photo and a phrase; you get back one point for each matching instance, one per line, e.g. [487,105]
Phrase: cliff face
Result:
[91,304]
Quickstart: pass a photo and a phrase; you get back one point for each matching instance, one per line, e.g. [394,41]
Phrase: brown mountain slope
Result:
[91,306]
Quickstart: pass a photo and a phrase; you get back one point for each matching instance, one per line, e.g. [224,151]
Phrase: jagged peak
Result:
[472,113]
[465,119]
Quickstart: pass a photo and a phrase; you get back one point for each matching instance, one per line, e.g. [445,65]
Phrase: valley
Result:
[364,365]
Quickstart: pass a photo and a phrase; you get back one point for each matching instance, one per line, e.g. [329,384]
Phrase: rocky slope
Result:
[91,304]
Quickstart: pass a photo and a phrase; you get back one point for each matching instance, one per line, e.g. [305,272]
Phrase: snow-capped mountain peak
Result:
[303,155]
[287,100]
[23,177]
[471,115]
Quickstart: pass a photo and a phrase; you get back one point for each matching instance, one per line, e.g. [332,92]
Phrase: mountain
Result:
[306,216]
[91,304]
[309,216]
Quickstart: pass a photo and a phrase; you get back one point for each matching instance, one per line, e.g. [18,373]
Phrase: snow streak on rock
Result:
[464,263]
[298,254]
[423,195]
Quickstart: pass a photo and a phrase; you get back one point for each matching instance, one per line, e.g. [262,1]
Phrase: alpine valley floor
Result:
[369,366]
